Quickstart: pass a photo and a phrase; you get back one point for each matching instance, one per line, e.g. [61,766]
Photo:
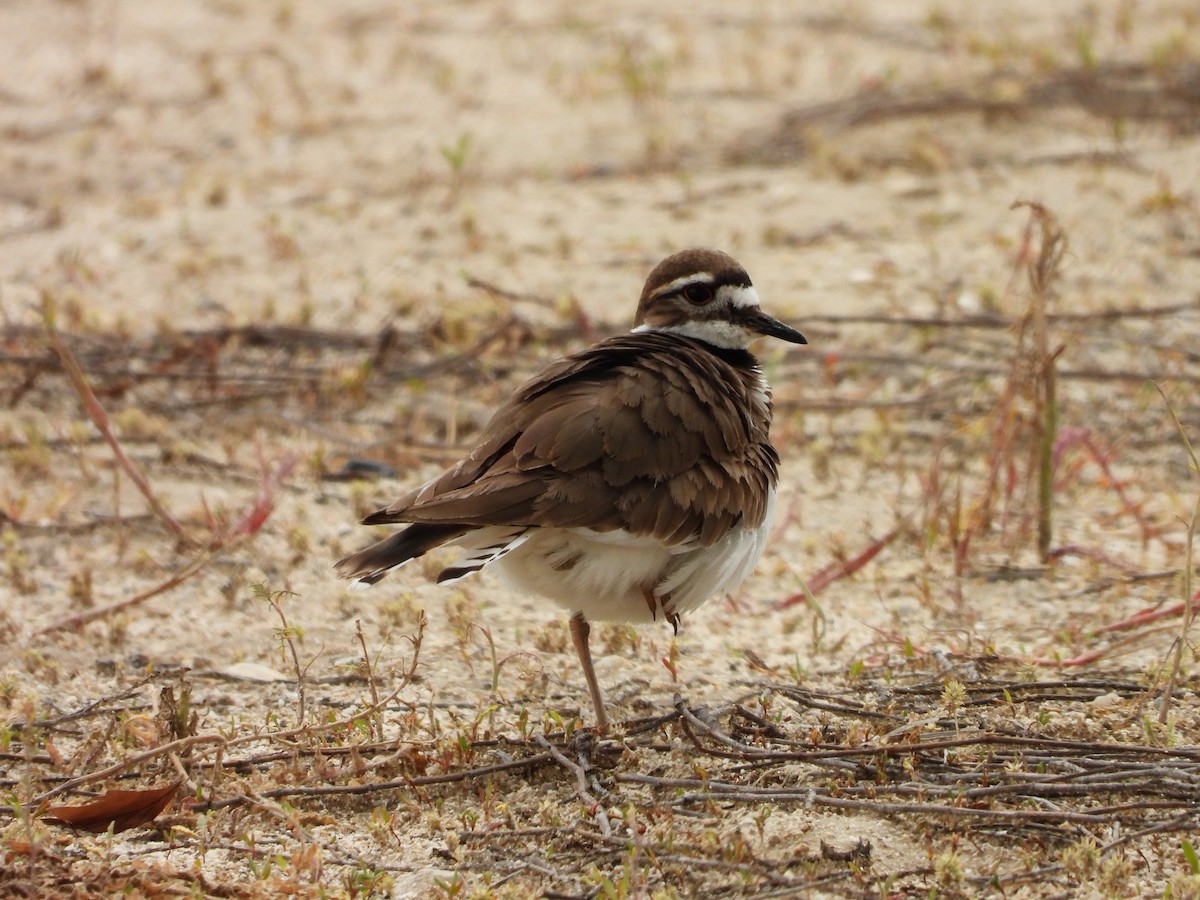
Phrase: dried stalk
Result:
[74,622]
[95,410]
[1042,268]
[1189,569]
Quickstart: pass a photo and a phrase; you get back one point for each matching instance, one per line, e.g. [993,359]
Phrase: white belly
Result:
[606,575]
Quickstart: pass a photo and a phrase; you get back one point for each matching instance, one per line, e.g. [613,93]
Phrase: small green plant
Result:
[261,865]
[761,815]
[366,881]
[457,156]
[1115,872]
[954,695]
[452,887]
[606,887]
[1081,860]
[948,871]
[1189,854]
[288,636]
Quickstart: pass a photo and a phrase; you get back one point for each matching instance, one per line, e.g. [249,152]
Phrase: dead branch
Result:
[399,784]
[581,784]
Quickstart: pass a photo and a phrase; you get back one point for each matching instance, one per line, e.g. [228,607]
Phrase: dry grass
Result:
[966,750]
[988,685]
[688,800]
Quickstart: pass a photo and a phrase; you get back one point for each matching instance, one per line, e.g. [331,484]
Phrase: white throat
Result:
[718,332]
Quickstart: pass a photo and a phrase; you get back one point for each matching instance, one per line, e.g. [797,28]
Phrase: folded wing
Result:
[646,433]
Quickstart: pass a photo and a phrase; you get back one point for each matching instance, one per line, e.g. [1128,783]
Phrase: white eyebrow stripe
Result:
[683,281]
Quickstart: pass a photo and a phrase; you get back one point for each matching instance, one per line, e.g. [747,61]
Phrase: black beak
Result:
[762,323]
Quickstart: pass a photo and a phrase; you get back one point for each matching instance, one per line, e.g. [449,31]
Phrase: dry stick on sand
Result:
[251,523]
[595,807]
[375,787]
[226,742]
[98,415]
[80,619]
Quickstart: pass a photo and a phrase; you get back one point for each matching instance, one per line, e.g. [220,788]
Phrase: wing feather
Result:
[652,433]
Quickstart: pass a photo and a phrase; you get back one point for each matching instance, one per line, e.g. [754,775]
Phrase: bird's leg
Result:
[579,635]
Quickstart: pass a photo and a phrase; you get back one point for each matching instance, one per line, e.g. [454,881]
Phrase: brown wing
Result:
[650,432]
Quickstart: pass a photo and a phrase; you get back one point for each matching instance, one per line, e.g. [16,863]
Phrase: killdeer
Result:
[630,481]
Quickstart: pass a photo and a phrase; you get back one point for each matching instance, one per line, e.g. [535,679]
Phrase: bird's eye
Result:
[698,293]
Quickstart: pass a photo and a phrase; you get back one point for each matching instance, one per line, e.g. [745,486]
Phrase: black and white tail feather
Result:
[484,546]
[483,556]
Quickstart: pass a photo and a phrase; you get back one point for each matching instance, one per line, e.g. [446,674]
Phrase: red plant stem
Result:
[98,415]
[836,571]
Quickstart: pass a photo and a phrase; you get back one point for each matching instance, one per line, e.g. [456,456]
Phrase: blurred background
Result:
[298,251]
[222,162]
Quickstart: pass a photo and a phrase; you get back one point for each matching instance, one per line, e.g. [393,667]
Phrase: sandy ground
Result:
[488,184]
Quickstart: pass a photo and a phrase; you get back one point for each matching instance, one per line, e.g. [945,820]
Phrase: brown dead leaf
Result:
[120,809]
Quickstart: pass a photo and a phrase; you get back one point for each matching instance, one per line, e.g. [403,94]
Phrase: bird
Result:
[629,481]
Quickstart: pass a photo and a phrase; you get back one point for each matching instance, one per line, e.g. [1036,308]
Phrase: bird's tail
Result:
[369,565]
